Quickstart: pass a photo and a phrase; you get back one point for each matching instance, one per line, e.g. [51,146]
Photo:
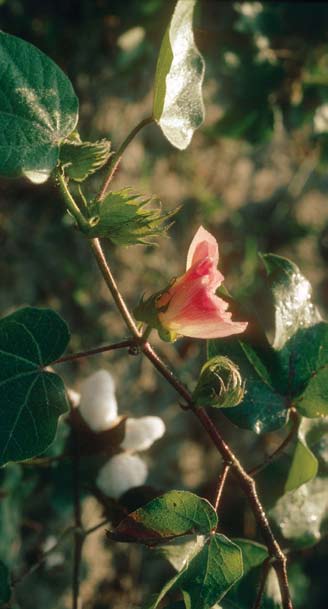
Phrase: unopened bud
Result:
[220,384]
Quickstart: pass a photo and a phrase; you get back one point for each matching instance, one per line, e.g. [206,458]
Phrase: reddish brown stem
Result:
[74,356]
[220,486]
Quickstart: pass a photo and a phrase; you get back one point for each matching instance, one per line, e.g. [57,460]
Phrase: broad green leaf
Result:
[253,553]
[81,159]
[38,110]
[300,514]
[178,551]
[5,592]
[208,575]
[123,218]
[304,465]
[170,515]
[178,105]
[292,295]
[241,596]
[305,356]
[31,397]
[263,407]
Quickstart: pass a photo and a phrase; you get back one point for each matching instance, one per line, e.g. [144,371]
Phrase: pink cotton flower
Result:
[190,307]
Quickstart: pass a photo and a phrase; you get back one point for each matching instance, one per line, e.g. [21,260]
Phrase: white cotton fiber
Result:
[98,404]
[121,473]
[141,433]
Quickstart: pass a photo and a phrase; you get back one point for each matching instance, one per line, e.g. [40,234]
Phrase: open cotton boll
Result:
[141,433]
[98,404]
[120,474]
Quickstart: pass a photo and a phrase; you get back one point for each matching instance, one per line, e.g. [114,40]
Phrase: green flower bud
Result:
[220,384]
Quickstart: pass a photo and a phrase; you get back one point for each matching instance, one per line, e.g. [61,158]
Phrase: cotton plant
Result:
[98,407]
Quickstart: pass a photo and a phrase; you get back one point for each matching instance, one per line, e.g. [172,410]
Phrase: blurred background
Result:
[255,175]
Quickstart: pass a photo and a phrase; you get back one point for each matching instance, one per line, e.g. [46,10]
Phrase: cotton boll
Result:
[120,474]
[98,404]
[141,433]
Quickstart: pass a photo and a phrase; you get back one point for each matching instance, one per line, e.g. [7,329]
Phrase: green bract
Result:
[220,384]
[38,110]
[81,159]
[123,218]
[178,105]
[31,397]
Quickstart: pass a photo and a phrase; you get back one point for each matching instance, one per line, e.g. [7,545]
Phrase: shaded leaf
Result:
[263,407]
[253,553]
[123,218]
[31,398]
[170,515]
[5,591]
[208,575]
[180,550]
[38,110]
[81,159]
[292,298]
[178,105]
[241,596]
[305,356]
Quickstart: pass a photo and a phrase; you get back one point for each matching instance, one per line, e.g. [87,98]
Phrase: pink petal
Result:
[203,245]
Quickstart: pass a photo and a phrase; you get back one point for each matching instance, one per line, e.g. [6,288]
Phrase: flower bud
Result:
[121,473]
[98,405]
[220,384]
[141,433]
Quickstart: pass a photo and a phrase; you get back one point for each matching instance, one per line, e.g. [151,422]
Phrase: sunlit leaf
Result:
[178,105]
[304,465]
[38,110]
[31,397]
[292,298]
[172,514]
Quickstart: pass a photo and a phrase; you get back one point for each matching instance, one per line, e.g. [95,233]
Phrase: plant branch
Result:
[264,576]
[220,486]
[81,354]
[72,206]
[116,158]
[246,482]
[111,284]
[295,420]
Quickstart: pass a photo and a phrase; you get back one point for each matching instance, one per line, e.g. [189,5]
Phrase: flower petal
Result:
[203,245]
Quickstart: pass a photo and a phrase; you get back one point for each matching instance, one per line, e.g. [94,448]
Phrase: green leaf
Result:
[292,295]
[170,515]
[5,592]
[208,575]
[304,465]
[300,514]
[31,397]
[178,105]
[305,356]
[253,553]
[81,159]
[38,110]
[263,407]
[123,218]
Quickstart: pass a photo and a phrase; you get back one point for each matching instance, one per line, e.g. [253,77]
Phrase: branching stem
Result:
[220,486]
